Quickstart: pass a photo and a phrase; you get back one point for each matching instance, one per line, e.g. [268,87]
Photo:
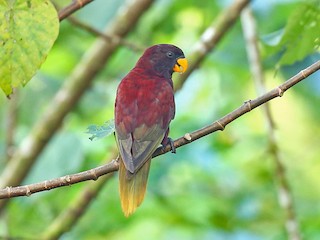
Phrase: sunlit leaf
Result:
[28,30]
[101,131]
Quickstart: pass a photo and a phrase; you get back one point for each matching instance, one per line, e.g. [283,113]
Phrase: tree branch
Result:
[92,174]
[95,173]
[72,7]
[284,192]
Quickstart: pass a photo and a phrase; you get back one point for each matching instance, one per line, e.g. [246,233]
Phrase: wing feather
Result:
[135,152]
[142,116]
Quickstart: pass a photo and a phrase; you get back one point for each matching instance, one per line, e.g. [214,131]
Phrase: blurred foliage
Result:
[220,187]
[300,37]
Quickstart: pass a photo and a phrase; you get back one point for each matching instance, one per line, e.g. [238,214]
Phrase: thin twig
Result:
[95,173]
[284,192]
[72,7]
[107,37]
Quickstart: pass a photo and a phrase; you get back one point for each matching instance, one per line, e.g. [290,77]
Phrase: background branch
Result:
[284,192]
[72,7]
[95,173]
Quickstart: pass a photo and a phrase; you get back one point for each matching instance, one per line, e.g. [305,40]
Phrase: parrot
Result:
[144,108]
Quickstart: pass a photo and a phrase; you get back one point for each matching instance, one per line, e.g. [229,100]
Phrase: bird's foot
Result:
[171,142]
[168,140]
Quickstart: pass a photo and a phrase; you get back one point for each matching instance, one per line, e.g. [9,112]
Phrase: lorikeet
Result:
[144,108]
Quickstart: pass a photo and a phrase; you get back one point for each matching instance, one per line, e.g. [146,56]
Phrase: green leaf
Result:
[301,34]
[101,131]
[28,29]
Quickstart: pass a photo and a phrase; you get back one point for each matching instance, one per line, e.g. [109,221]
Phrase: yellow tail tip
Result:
[132,187]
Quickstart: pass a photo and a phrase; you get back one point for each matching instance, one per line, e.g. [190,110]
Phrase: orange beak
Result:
[181,65]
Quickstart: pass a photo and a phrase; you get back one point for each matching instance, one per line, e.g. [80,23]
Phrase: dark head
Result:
[163,60]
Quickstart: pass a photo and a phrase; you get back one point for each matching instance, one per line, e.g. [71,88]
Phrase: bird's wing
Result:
[145,118]
[136,148]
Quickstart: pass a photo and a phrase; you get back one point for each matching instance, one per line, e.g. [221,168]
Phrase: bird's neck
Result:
[150,74]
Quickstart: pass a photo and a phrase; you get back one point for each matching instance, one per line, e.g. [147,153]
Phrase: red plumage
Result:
[144,109]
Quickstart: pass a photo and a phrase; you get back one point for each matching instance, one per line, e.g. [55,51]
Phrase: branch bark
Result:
[95,173]
[81,78]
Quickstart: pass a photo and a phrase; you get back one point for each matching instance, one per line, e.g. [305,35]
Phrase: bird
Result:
[144,108]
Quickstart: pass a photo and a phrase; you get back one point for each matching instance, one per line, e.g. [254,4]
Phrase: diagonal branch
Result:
[107,37]
[92,174]
[72,7]
[249,105]
[284,192]
[95,173]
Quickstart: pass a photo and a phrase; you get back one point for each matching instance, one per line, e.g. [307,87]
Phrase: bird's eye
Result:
[170,54]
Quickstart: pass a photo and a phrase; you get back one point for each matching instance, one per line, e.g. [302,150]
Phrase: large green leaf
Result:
[28,29]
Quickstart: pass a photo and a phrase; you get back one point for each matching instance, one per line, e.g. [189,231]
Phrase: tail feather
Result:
[132,187]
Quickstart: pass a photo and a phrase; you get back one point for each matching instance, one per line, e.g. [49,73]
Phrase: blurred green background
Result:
[222,186]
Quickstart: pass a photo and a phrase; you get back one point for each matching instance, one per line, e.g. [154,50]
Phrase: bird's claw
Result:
[173,148]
